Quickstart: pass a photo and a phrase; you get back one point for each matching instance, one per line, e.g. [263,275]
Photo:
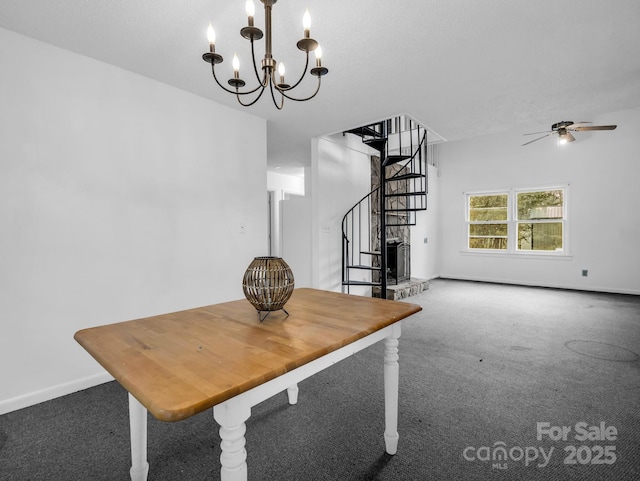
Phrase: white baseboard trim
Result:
[37,397]
[551,285]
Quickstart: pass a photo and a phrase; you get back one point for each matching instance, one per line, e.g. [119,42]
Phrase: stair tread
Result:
[405,194]
[395,158]
[360,283]
[407,209]
[377,143]
[361,266]
[412,175]
[364,131]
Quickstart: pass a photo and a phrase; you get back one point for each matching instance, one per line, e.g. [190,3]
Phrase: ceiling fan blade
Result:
[595,127]
[531,141]
[575,125]
[543,132]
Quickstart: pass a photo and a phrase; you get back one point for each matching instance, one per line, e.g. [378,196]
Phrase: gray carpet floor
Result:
[481,367]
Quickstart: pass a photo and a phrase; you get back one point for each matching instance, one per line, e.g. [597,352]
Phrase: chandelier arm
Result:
[263,82]
[304,72]
[273,96]
[305,99]
[213,71]
[234,92]
[253,101]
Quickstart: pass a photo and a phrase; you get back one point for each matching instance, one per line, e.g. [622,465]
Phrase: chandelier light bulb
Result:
[250,8]
[211,35]
[306,23]
[235,63]
[281,69]
[251,11]
[318,52]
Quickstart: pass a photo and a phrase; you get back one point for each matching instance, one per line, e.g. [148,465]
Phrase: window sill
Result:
[518,255]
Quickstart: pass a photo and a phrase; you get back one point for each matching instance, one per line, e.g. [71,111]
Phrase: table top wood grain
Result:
[182,363]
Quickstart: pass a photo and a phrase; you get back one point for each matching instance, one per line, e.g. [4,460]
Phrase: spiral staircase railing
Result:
[401,191]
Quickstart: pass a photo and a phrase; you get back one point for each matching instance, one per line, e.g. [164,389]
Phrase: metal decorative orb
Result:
[268,284]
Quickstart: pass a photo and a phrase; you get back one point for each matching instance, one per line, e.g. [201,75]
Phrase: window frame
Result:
[469,222]
[512,222]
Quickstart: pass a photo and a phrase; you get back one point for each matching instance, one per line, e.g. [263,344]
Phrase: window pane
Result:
[540,205]
[488,207]
[540,236]
[488,236]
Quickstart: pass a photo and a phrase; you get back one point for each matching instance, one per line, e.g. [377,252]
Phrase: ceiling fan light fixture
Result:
[564,137]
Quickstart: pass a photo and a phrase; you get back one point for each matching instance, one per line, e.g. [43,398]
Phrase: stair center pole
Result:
[383,218]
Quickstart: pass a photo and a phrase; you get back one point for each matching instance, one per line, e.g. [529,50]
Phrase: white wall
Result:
[425,260]
[113,205]
[285,184]
[281,186]
[602,170]
[296,238]
[341,176]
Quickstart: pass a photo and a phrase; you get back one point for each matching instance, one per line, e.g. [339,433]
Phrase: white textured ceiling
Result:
[462,67]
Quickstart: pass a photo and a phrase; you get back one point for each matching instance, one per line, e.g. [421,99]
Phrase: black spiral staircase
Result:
[399,190]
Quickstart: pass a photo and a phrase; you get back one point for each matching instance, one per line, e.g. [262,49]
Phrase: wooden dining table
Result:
[222,357]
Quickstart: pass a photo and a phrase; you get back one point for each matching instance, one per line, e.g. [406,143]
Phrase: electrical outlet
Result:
[585,272]
[425,240]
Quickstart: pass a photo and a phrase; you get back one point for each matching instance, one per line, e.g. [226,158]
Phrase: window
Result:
[517,221]
[488,216]
[540,217]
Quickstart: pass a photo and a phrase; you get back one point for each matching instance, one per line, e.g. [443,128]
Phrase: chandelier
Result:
[279,89]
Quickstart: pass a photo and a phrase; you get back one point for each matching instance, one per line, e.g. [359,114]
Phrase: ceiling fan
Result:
[563,130]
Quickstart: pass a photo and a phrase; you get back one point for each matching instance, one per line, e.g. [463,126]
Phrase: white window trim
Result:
[512,222]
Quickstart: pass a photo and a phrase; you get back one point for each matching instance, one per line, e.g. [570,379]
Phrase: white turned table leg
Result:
[138,427]
[391,382]
[231,415]
[292,392]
